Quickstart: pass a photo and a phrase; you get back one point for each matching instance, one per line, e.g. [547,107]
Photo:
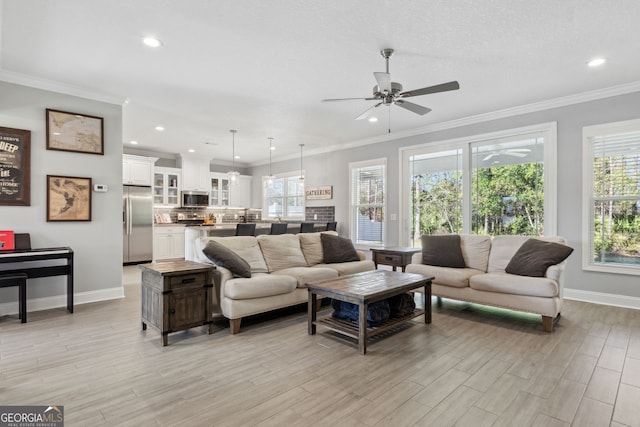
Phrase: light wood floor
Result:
[473,366]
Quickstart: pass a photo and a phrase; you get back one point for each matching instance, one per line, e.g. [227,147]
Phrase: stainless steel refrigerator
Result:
[137,224]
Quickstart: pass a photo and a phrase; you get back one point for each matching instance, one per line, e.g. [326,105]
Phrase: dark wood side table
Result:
[396,257]
[176,295]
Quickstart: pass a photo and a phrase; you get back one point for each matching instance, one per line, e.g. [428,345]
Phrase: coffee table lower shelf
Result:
[350,329]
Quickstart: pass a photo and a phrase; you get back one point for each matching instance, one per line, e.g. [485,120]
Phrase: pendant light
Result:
[271,148]
[233,173]
[301,178]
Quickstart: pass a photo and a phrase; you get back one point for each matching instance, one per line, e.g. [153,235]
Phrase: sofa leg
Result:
[235,325]
[547,323]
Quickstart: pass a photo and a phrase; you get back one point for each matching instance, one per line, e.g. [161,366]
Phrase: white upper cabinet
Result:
[219,190]
[166,186]
[195,173]
[137,170]
[240,194]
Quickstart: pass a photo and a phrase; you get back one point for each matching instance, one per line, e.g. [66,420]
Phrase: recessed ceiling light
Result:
[237,157]
[373,119]
[152,42]
[272,148]
[595,62]
[159,128]
[133,142]
[191,150]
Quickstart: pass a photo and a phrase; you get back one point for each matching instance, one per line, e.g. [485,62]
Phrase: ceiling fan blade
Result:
[414,108]
[454,85]
[347,99]
[514,154]
[368,111]
[489,157]
[384,81]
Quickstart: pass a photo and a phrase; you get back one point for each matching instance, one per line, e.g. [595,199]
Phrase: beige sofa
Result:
[280,267]
[484,280]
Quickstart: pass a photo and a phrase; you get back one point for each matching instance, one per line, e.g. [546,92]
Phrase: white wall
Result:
[332,169]
[97,244]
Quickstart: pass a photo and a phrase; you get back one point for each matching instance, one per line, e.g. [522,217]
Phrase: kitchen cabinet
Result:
[195,174]
[240,194]
[166,186]
[219,190]
[137,170]
[168,242]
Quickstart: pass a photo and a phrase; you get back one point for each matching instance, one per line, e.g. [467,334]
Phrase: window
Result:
[498,183]
[283,197]
[367,197]
[612,197]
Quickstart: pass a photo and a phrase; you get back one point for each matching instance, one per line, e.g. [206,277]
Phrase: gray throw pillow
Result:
[535,256]
[337,249]
[442,251]
[225,257]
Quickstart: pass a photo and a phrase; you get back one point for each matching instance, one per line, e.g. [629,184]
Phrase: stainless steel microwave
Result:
[195,199]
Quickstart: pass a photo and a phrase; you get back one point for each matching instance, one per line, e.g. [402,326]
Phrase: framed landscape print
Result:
[68,198]
[15,167]
[75,132]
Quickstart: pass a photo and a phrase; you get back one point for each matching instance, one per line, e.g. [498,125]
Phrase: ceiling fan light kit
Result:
[388,93]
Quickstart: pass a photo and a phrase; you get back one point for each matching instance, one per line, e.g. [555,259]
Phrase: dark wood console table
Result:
[25,256]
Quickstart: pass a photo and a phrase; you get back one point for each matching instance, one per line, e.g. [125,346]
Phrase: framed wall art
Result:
[75,132]
[15,167]
[68,198]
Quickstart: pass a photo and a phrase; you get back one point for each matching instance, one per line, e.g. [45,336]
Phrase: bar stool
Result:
[306,227]
[243,229]
[332,226]
[278,228]
[19,280]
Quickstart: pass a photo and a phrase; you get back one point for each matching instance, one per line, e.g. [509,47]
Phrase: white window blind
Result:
[613,234]
[368,202]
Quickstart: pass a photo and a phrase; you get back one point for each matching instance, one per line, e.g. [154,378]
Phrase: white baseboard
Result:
[602,298]
[61,300]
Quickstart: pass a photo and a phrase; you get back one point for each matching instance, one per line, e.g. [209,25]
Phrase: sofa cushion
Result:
[259,286]
[475,250]
[281,251]
[503,248]
[225,257]
[447,276]
[311,246]
[305,275]
[442,251]
[535,256]
[352,267]
[337,249]
[245,246]
[505,283]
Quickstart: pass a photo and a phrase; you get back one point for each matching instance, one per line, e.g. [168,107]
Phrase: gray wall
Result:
[332,169]
[97,244]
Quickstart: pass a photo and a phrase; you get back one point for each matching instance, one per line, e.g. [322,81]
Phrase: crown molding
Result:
[484,117]
[63,88]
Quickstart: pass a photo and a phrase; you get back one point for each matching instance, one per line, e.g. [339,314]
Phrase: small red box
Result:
[7,240]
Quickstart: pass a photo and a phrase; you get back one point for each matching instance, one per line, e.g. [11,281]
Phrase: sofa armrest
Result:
[361,255]
[416,258]
[556,272]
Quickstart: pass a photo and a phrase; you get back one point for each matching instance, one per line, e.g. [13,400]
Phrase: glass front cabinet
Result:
[166,186]
[219,193]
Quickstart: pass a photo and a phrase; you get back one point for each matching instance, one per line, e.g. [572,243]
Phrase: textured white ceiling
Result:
[262,67]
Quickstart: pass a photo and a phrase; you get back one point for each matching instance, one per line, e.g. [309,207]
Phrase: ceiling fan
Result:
[387,92]
[515,152]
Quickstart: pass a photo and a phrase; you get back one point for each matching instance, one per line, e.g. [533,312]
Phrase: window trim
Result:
[550,131]
[587,196]
[265,209]
[352,226]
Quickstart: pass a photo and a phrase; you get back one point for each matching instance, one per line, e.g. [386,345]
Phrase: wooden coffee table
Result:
[363,289]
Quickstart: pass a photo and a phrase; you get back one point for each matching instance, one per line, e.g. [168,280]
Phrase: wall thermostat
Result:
[100,188]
